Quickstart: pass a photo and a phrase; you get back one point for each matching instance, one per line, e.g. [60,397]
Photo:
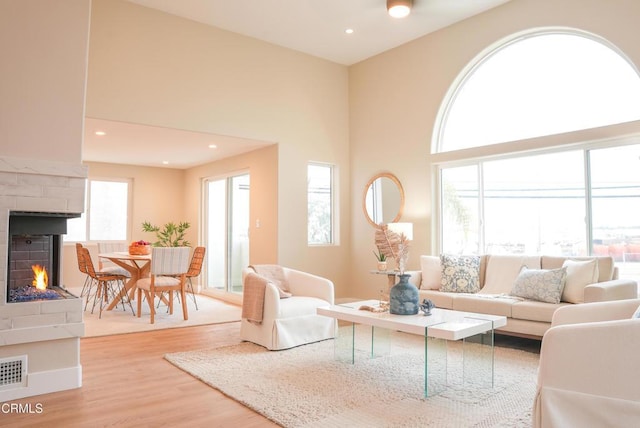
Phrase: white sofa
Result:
[525,317]
[588,375]
[292,321]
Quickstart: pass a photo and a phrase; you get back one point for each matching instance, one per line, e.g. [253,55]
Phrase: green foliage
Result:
[171,235]
[380,257]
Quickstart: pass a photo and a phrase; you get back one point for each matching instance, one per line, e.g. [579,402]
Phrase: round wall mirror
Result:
[383,199]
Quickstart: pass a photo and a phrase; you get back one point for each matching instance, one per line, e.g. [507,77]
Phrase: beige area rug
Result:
[118,321]
[306,387]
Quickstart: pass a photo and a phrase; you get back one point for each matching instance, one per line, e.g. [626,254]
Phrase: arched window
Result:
[539,84]
[570,198]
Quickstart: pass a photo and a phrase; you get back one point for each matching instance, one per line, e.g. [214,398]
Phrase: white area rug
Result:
[306,387]
[118,321]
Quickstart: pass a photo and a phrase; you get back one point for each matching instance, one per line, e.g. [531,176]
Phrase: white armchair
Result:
[589,372]
[291,321]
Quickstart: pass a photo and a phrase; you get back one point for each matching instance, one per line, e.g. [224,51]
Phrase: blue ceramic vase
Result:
[404,298]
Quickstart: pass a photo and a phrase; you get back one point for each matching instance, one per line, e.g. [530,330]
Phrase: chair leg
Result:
[139,299]
[185,314]
[150,297]
[192,293]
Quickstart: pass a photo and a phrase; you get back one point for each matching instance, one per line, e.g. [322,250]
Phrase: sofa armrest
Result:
[616,289]
[309,285]
[592,358]
[593,312]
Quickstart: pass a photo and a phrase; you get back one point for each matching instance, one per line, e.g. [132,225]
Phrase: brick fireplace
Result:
[39,339]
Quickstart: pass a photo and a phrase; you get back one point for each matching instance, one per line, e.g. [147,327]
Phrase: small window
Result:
[106,213]
[320,206]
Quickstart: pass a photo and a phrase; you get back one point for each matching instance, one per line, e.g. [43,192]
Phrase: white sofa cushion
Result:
[540,284]
[297,306]
[431,273]
[535,311]
[502,271]
[580,273]
[483,304]
[460,274]
[441,299]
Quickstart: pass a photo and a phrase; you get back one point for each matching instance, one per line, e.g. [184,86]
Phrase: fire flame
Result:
[40,277]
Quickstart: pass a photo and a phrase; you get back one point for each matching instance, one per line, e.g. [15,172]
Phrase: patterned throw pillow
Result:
[460,274]
[544,285]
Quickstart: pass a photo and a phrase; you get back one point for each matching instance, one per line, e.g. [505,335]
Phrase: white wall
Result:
[395,97]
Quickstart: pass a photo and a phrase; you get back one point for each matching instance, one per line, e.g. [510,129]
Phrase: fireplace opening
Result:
[35,256]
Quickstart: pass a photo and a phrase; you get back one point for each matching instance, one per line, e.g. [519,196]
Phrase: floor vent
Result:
[13,372]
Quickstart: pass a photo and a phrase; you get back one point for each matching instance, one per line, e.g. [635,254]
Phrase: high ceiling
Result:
[315,27]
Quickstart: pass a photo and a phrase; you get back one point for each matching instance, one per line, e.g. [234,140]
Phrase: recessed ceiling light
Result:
[101,133]
[349,31]
[213,146]
[165,162]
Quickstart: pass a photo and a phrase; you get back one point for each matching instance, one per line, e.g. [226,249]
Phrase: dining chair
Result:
[168,271]
[88,281]
[108,284]
[107,266]
[195,267]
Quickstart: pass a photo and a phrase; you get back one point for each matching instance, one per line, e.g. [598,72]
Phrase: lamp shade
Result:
[400,228]
[399,8]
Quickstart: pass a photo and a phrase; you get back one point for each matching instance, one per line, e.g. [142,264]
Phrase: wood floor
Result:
[127,383]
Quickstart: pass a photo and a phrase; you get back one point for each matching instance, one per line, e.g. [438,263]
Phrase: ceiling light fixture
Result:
[349,31]
[399,8]
[213,146]
[101,133]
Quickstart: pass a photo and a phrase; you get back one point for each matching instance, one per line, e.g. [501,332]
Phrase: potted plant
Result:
[171,234]
[382,260]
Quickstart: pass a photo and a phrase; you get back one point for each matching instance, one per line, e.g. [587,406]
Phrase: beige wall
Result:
[156,69]
[262,166]
[394,99]
[43,69]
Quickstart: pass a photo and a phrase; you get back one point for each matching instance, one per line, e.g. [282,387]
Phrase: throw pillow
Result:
[431,275]
[580,273]
[544,285]
[460,274]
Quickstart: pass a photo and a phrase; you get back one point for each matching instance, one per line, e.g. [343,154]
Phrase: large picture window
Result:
[548,196]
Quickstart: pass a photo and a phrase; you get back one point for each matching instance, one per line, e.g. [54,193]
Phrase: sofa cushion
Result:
[441,299]
[431,273]
[482,304]
[543,285]
[502,271]
[606,265]
[580,273]
[535,311]
[460,274]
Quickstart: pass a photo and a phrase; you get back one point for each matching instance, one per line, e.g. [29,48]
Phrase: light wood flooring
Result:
[128,383]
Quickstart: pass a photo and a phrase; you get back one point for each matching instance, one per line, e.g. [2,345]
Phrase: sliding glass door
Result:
[226,216]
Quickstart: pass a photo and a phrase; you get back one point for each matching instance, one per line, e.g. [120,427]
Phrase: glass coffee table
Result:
[443,325]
